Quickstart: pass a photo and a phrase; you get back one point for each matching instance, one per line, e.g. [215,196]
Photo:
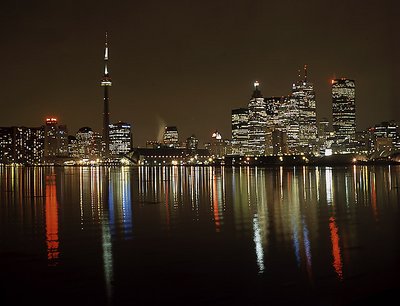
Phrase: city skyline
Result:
[203,67]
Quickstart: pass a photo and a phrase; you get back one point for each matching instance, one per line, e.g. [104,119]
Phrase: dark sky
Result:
[189,63]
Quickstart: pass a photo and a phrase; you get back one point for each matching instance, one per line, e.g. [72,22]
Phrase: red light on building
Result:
[51,120]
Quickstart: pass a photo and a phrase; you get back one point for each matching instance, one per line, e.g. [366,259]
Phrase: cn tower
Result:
[105,83]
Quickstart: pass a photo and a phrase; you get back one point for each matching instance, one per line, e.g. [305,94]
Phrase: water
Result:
[199,235]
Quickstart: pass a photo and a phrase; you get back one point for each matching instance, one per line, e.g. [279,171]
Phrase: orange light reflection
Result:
[51,220]
[337,260]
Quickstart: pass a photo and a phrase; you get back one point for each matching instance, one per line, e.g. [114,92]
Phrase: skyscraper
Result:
[240,131]
[171,136]
[21,145]
[120,138]
[257,122]
[288,121]
[303,92]
[343,110]
[106,82]
[55,140]
[273,125]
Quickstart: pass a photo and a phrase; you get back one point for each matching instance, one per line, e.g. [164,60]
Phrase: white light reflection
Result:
[329,193]
[258,244]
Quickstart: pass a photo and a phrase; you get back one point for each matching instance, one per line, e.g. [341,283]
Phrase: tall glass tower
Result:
[303,92]
[240,131]
[257,122]
[106,83]
[343,109]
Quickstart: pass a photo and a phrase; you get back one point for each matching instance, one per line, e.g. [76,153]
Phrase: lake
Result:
[199,235]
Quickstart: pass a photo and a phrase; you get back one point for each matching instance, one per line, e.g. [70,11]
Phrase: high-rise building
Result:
[217,147]
[323,134]
[257,122]
[192,143]
[304,94]
[288,120]
[171,136]
[21,145]
[106,83]
[273,105]
[385,136]
[120,138]
[89,143]
[343,110]
[240,131]
[55,140]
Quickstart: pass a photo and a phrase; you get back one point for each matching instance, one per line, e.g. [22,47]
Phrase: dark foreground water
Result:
[199,236]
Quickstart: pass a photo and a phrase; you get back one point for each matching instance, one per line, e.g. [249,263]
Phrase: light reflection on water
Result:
[314,222]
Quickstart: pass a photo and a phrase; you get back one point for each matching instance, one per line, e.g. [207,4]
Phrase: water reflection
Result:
[313,220]
[337,258]
[52,220]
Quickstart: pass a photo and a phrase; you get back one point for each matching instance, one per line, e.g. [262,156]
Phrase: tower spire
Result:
[106,83]
[106,56]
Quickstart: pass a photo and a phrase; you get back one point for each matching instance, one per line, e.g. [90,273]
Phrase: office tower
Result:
[303,92]
[385,136]
[257,123]
[192,143]
[106,83]
[272,105]
[73,150]
[288,122]
[343,110]
[55,140]
[89,143]
[279,142]
[6,147]
[217,147]
[21,145]
[240,131]
[323,128]
[120,138]
[171,136]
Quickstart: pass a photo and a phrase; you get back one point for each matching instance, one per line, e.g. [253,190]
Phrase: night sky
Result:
[189,63]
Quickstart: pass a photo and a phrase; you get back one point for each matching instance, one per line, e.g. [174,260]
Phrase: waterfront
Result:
[199,235]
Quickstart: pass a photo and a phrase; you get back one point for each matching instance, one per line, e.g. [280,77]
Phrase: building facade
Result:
[257,123]
[344,110]
[304,94]
[55,140]
[120,138]
[240,131]
[171,136]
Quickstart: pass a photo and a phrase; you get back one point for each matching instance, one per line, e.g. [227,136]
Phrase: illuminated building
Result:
[257,123]
[279,142]
[343,110]
[385,136]
[171,137]
[273,125]
[192,143]
[120,138]
[6,145]
[106,83]
[55,140]
[304,94]
[73,150]
[89,143]
[152,144]
[21,145]
[323,134]
[323,128]
[167,156]
[218,147]
[288,122]
[240,131]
